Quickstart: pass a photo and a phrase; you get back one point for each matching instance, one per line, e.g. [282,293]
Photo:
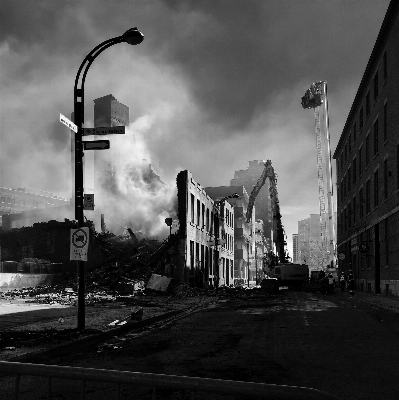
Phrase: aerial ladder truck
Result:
[316,97]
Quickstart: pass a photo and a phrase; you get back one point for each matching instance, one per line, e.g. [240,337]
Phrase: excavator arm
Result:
[267,172]
[278,229]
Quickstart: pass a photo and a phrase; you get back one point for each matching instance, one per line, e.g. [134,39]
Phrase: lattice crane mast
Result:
[315,97]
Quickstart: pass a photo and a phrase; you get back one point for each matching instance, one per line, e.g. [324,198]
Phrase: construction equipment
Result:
[318,282]
[315,97]
[278,229]
[291,274]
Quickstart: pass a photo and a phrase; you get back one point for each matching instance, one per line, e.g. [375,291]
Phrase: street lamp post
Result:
[217,214]
[132,36]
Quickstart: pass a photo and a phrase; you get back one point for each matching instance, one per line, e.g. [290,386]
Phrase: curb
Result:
[77,345]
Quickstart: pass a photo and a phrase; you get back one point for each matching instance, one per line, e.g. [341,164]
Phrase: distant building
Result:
[312,250]
[367,161]
[110,112]
[23,206]
[107,112]
[295,251]
[248,178]
[198,258]
[244,233]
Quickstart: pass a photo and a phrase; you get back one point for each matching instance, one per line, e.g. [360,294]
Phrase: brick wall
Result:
[377,101]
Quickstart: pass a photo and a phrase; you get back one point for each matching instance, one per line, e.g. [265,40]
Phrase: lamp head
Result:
[235,196]
[168,221]
[133,36]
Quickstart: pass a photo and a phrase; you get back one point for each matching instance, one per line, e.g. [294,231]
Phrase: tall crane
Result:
[316,97]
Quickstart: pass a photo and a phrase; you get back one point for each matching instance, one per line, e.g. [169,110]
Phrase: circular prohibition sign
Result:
[79,238]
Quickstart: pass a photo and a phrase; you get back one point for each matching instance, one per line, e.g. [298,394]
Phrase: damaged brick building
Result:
[198,257]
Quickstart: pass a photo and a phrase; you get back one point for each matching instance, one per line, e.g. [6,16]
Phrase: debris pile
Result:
[183,291]
[59,295]
[26,292]
[68,296]
[243,292]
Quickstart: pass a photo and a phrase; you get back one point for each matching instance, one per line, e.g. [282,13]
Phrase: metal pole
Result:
[130,37]
[78,114]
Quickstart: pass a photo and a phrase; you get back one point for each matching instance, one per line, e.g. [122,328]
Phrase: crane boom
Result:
[268,171]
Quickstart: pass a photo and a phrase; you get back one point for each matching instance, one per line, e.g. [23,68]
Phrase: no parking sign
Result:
[79,244]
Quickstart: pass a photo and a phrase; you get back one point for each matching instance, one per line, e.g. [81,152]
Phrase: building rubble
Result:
[125,275]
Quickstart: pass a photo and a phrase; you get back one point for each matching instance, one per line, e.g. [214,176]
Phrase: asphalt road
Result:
[331,343]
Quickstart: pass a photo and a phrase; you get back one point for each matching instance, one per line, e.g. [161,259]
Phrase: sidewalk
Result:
[371,299]
[27,317]
[41,330]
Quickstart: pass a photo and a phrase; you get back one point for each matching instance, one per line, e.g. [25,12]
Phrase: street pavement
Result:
[342,345]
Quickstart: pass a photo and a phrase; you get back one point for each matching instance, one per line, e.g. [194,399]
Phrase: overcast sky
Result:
[215,84]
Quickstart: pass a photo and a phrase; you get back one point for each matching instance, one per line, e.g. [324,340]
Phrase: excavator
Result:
[278,229]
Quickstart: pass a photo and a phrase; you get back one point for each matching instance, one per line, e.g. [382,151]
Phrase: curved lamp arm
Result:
[132,36]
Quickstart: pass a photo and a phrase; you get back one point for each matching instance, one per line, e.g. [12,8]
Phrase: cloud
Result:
[215,84]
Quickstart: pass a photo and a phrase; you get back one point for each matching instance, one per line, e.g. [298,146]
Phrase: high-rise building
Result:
[248,178]
[295,248]
[109,112]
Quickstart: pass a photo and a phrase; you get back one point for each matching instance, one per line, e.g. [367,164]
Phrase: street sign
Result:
[79,244]
[96,145]
[109,130]
[68,123]
[88,202]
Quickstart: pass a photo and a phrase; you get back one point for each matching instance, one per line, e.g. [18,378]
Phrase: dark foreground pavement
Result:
[348,347]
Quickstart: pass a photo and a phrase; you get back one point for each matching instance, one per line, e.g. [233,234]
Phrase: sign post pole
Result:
[132,36]
[78,114]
